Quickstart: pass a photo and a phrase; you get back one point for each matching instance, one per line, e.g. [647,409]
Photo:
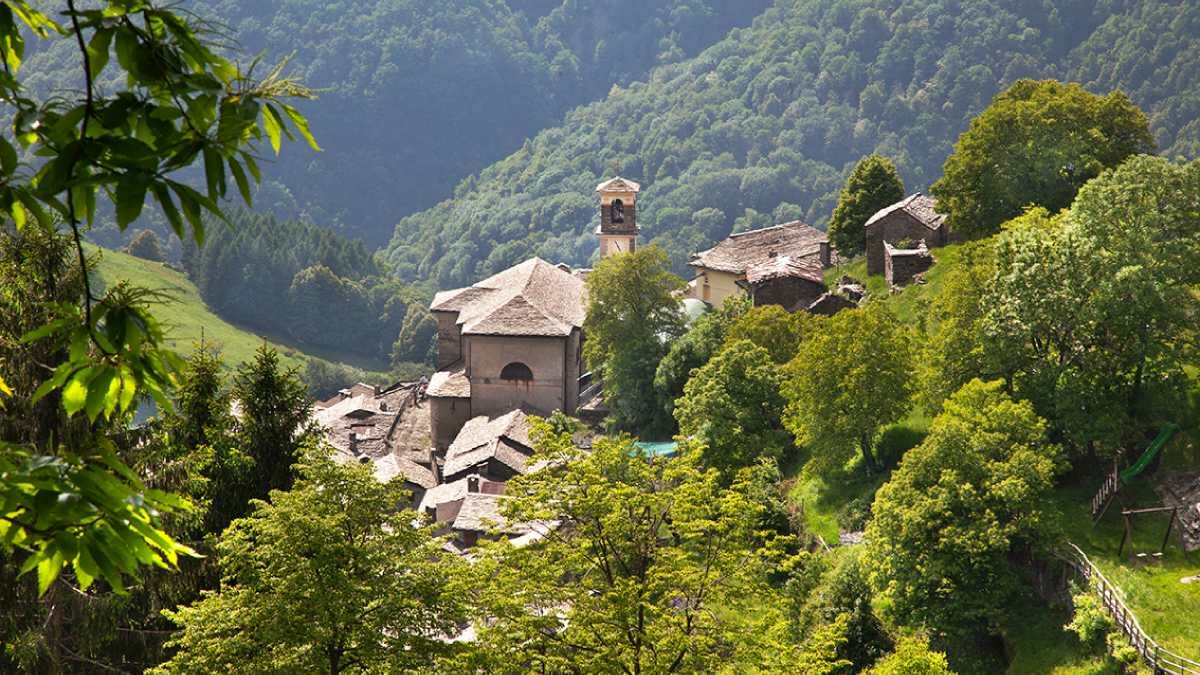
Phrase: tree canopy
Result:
[851,377]
[632,314]
[328,576]
[1036,144]
[974,494]
[872,185]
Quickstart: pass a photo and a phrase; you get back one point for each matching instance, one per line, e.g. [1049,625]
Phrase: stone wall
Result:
[446,418]
[895,227]
[449,340]
[901,265]
[787,292]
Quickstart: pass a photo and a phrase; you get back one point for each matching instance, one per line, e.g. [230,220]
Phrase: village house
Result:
[512,341]
[780,265]
[902,265]
[912,219]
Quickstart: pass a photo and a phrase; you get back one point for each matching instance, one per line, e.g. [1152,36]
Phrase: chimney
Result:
[825,256]
[472,483]
[431,511]
[354,442]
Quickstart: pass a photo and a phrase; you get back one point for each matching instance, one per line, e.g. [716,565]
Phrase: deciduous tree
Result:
[645,551]
[731,407]
[327,577]
[773,328]
[693,349]
[974,494]
[1036,144]
[852,376]
[633,313]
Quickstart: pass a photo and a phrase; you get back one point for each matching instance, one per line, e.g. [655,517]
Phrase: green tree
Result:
[954,349]
[327,577]
[275,419]
[67,497]
[633,312]
[731,407]
[843,593]
[693,349]
[948,524]
[1093,331]
[912,657]
[852,376]
[147,246]
[649,549]
[773,328]
[1036,144]
[872,185]
[417,342]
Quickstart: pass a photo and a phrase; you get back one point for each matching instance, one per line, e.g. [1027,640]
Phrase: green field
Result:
[185,316]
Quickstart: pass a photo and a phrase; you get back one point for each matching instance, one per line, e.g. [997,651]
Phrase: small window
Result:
[618,211]
[516,371]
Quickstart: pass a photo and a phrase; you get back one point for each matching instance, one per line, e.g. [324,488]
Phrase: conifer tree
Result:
[872,185]
[274,419]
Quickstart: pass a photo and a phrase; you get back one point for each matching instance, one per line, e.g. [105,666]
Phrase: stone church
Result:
[514,341]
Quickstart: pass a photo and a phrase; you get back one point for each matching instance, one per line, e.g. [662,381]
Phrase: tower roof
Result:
[618,184]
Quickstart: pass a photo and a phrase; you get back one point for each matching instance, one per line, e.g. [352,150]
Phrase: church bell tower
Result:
[618,229]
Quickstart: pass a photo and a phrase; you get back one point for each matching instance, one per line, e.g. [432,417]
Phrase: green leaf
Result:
[168,206]
[75,394]
[4,388]
[97,50]
[214,173]
[239,177]
[101,387]
[130,197]
[8,157]
[272,124]
[301,125]
[48,567]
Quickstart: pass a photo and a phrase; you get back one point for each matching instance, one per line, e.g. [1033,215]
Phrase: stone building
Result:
[512,341]
[773,265]
[913,218]
[900,265]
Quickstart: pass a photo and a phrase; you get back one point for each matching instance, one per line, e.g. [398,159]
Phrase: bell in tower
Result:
[618,229]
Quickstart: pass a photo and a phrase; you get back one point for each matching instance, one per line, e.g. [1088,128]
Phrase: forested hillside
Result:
[763,126]
[416,95]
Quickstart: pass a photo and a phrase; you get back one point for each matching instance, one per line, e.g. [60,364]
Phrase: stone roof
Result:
[827,305]
[784,266]
[618,184]
[745,251]
[921,207]
[505,439]
[481,512]
[450,383]
[390,466]
[532,298]
[441,494]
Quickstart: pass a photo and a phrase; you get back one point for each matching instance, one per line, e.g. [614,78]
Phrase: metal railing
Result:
[1154,655]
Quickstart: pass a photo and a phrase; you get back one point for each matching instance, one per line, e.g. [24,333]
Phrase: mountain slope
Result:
[417,95]
[762,126]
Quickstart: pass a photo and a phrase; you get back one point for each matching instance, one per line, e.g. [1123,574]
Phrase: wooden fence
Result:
[1159,660]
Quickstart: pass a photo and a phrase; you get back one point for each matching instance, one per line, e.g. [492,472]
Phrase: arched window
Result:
[516,371]
[618,211]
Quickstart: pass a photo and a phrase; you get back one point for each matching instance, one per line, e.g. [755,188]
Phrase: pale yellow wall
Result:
[610,244]
[720,285]
[548,358]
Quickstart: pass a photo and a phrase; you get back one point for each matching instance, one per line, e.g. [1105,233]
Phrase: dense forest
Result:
[763,126]
[319,290]
[413,96]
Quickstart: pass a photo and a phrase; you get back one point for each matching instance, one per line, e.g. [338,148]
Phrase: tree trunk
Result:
[868,457]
